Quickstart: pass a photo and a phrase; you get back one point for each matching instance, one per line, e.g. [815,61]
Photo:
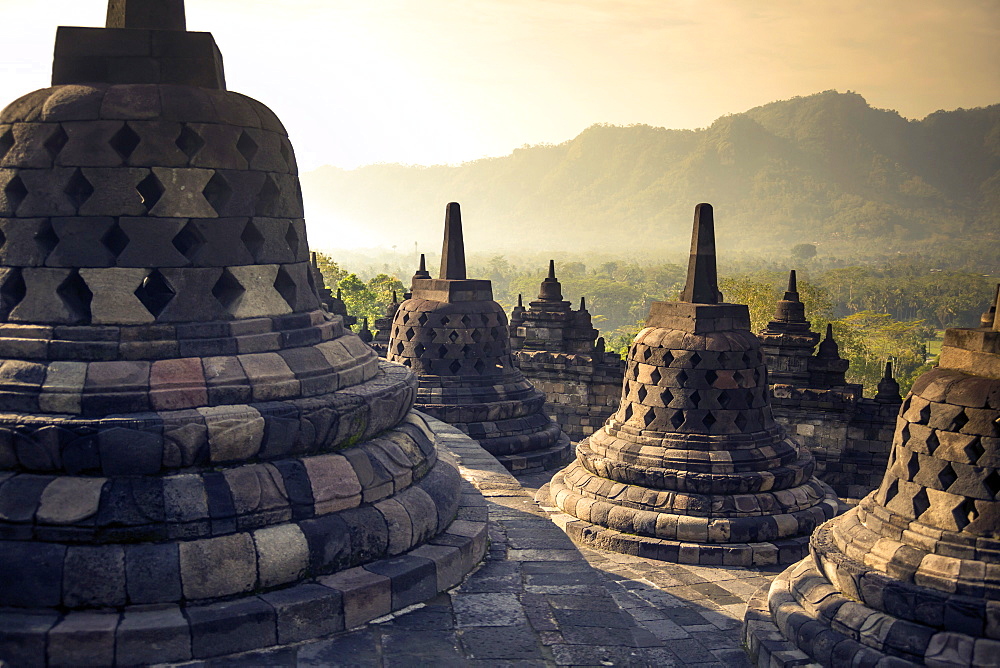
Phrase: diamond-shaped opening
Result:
[453,336]
[247,147]
[913,466]
[422,320]
[746,360]
[56,142]
[455,366]
[925,414]
[418,349]
[627,413]
[947,476]
[400,348]
[11,292]
[477,335]
[488,348]
[78,189]
[292,239]
[709,421]
[189,142]
[655,377]
[286,287]
[155,293]
[217,192]
[677,419]
[666,396]
[479,366]
[891,491]
[286,154]
[741,422]
[46,239]
[974,450]
[76,296]
[407,362]
[466,321]
[3,238]
[267,198]
[646,353]
[228,291]
[965,513]
[711,377]
[125,141]
[932,442]
[648,417]
[725,399]
[960,421]
[641,393]
[6,142]
[442,350]
[409,333]
[668,358]
[252,239]
[695,398]
[15,193]
[682,378]
[150,190]
[189,240]
[904,433]
[756,377]
[115,240]
[920,503]
[992,483]
[695,359]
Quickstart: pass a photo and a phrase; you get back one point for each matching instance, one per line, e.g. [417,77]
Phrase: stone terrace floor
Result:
[539,600]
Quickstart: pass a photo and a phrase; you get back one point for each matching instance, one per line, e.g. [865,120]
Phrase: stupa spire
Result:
[583,303]
[422,271]
[146,14]
[792,293]
[552,269]
[453,251]
[551,290]
[702,285]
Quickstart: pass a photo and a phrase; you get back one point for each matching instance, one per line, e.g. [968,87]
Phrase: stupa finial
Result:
[552,269]
[583,303]
[702,285]
[520,302]
[422,271]
[146,14]
[453,251]
[792,293]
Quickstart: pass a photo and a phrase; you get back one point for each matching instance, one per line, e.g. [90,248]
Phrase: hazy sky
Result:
[432,81]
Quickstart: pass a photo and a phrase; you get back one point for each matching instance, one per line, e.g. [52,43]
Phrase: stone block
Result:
[83,639]
[231,626]
[215,567]
[282,554]
[31,574]
[153,636]
[306,611]
[23,636]
[414,579]
[366,595]
[335,485]
[69,500]
[153,573]
[235,433]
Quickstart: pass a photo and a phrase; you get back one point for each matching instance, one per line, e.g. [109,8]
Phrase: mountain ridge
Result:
[822,168]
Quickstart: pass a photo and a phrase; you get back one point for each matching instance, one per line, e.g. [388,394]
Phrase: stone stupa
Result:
[693,468]
[456,339]
[195,459]
[911,576]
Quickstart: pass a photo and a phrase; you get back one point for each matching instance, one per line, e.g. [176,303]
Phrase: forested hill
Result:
[826,169]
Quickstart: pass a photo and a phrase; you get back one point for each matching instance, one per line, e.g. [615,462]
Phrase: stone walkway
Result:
[538,600]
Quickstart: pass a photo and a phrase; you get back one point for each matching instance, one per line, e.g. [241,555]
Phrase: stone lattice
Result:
[194,458]
[912,574]
[692,467]
[457,340]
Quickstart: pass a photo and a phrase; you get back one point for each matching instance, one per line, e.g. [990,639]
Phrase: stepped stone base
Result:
[764,553]
[539,460]
[309,609]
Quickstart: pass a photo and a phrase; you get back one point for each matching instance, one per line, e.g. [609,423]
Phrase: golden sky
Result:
[434,81]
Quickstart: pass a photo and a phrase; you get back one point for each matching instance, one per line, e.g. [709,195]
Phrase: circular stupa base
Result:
[784,550]
[539,460]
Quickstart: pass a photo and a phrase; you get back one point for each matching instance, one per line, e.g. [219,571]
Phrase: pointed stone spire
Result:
[365,334]
[520,302]
[888,388]
[340,294]
[792,293]
[828,348]
[395,299]
[146,14]
[583,303]
[702,285]
[422,271]
[453,251]
[989,318]
[551,290]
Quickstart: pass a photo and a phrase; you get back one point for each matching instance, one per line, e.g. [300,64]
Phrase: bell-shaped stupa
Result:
[457,340]
[912,574]
[195,459]
[693,468]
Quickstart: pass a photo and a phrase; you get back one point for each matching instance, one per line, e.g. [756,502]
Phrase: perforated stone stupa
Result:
[194,458]
[456,339]
[912,574]
[692,468]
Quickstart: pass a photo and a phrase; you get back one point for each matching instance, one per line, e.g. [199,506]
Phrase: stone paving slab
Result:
[539,600]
